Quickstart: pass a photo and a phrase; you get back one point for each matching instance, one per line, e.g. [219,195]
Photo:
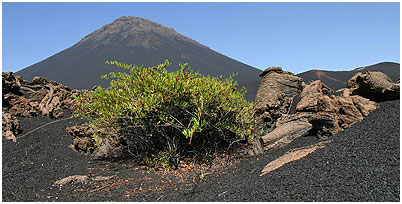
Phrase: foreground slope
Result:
[139,41]
[339,79]
[361,163]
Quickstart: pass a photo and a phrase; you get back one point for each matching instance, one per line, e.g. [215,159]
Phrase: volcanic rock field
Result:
[322,135]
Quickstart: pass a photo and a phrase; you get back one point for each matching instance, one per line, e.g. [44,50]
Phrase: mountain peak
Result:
[138,21]
[137,30]
[139,41]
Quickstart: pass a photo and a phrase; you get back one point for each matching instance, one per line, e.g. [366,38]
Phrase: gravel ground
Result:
[360,164]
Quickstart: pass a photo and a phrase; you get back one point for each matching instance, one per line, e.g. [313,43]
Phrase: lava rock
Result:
[374,85]
[40,96]
[10,82]
[83,137]
[311,95]
[10,126]
[286,133]
[277,90]
[317,114]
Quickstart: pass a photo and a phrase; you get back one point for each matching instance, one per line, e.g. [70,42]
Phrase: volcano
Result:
[139,41]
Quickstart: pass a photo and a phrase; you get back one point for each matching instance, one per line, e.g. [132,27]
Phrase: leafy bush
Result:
[168,115]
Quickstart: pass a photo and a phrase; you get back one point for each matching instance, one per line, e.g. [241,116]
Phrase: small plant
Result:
[173,114]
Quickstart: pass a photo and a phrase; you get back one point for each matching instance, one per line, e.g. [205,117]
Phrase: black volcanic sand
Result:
[359,164]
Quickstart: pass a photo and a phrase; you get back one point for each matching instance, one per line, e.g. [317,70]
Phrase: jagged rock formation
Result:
[374,85]
[10,126]
[292,109]
[84,141]
[82,137]
[10,82]
[139,41]
[274,97]
[309,96]
[276,93]
[277,90]
[40,96]
[331,114]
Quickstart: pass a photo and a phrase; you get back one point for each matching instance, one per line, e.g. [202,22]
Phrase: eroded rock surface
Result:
[40,96]
[37,97]
[374,85]
[286,133]
[10,82]
[277,91]
[318,112]
[325,113]
[84,141]
[311,96]
[275,97]
[331,114]
[83,135]
[10,126]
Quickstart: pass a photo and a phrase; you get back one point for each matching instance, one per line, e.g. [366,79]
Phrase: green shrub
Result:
[169,115]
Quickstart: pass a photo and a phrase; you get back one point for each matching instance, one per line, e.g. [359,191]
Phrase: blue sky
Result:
[295,36]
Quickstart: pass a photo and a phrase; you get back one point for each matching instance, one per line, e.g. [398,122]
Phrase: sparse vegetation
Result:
[164,116]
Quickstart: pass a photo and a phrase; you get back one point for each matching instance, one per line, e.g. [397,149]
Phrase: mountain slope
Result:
[339,79]
[139,41]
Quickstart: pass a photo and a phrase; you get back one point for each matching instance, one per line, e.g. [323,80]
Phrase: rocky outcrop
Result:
[277,91]
[286,133]
[373,85]
[49,98]
[275,95]
[364,105]
[83,135]
[331,114]
[10,82]
[40,96]
[18,105]
[10,126]
[311,95]
[37,97]
[317,111]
